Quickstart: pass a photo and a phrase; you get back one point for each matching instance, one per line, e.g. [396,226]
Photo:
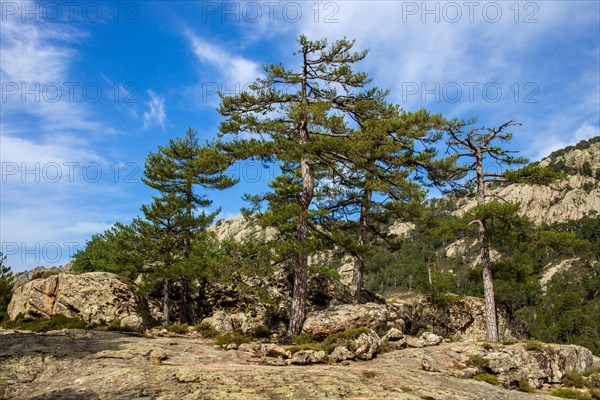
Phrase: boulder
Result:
[273,350]
[340,353]
[21,278]
[431,339]
[231,307]
[394,339]
[460,315]
[378,317]
[363,346]
[366,345]
[429,364]
[95,297]
[415,342]
[224,322]
[548,365]
[393,335]
[304,357]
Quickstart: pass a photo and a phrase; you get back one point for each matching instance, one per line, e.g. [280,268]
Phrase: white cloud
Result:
[554,142]
[46,189]
[156,113]
[233,68]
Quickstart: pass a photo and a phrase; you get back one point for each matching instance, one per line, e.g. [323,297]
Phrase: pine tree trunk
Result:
[183,303]
[298,309]
[359,261]
[491,323]
[166,303]
[187,245]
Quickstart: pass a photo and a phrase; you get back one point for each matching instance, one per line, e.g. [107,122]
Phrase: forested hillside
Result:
[547,270]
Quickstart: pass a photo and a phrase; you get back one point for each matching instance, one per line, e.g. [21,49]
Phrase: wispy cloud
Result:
[155,116]
[51,164]
[554,141]
[233,68]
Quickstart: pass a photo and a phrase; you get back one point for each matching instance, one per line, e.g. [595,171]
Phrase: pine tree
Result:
[296,115]
[380,170]
[172,222]
[477,146]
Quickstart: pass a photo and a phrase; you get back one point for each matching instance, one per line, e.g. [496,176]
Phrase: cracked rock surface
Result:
[74,364]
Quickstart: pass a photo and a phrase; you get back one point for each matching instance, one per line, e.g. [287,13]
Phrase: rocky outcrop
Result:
[459,316]
[246,323]
[95,297]
[549,364]
[304,357]
[264,303]
[240,228]
[21,278]
[552,269]
[536,363]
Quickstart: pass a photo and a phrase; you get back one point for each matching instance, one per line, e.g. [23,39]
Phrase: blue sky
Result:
[90,87]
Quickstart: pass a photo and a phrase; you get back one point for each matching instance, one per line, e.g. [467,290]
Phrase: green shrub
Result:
[307,341]
[570,394]
[260,332]
[487,378]
[57,322]
[594,381]
[524,386]
[487,346]
[6,284]
[508,342]
[4,317]
[573,379]
[476,361]
[591,371]
[307,346]
[595,394]
[235,337]
[181,329]
[533,345]
[304,338]
[206,330]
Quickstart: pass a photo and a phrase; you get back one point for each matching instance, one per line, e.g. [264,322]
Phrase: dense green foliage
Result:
[6,286]
[569,312]
[103,253]
[57,322]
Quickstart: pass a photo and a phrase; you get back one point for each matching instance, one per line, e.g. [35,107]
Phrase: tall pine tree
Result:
[477,147]
[172,221]
[296,114]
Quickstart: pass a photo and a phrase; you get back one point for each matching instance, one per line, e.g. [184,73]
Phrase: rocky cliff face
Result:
[576,196]
[240,229]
